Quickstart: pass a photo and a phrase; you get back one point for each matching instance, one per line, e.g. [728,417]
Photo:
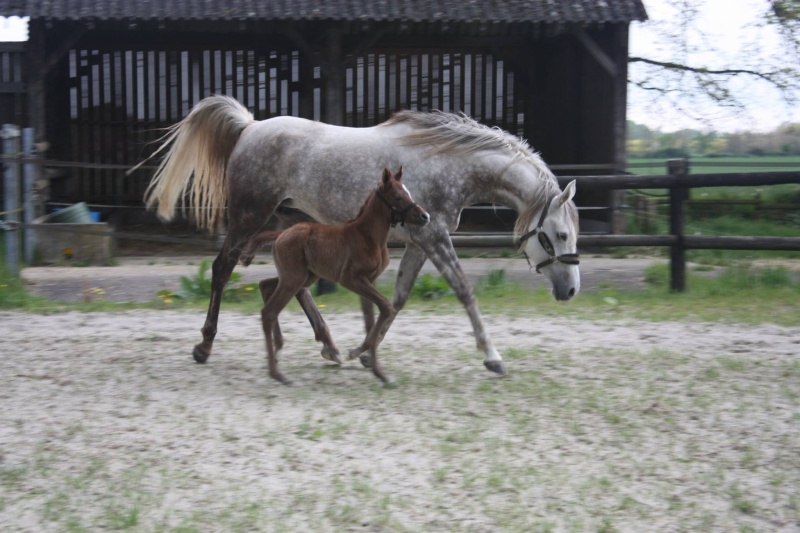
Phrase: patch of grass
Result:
[430,287]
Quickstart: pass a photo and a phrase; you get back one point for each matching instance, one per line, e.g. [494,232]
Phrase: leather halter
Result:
[396,215]
[544,241]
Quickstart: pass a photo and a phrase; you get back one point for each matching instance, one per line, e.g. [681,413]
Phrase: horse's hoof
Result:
[366,360]
[389,384]
[330,354]
[354,353]
[200,355]
[498,367]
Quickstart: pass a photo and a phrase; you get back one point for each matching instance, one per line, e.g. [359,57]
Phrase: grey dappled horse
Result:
[219,156]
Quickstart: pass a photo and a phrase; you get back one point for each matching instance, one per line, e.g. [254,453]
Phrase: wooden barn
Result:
[98,78]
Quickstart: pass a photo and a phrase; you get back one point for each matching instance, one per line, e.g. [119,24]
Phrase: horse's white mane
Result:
[458,134]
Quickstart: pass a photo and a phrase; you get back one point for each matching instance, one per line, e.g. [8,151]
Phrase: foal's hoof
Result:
[278,376]
[355,352]
[330,354]
[496,366]
[366,360]
[200,355]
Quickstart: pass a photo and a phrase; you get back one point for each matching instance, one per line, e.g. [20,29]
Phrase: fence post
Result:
[10,136]
[29,194]
[677,210]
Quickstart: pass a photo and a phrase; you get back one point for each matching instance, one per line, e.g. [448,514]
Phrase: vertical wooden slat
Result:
[419,100]
[364,92]
[375,89]
[388,72]
[486,87]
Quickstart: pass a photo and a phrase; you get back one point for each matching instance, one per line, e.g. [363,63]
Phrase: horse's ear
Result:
[399,173]
[569,192]
[387,175]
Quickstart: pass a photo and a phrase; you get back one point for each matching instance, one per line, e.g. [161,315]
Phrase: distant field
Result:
[712,165]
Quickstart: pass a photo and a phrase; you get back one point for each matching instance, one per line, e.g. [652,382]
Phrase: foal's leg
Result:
[266,288]
[269,318]
[410,265]
[364,288]
[321,332]
[368,312]
[439,248]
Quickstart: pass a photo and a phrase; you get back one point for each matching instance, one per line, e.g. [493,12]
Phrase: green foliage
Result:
[430,287]
[199,287]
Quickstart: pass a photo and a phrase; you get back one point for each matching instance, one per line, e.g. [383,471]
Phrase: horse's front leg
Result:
[410,265]
[220,274]
[439,248]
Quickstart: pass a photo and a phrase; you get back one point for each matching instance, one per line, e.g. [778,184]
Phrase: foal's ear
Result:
[569,192]
[387,175]
[399,173]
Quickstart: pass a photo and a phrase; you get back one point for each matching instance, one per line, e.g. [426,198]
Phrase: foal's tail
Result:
[199,147]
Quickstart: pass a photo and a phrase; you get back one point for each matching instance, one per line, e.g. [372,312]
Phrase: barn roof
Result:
[412,11]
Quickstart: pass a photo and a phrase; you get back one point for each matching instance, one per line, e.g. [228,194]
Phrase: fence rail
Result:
[677,181]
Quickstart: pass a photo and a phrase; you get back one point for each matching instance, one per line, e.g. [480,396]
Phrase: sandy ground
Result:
[107,424]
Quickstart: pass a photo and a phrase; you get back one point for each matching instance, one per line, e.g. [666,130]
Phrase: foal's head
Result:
[396,197]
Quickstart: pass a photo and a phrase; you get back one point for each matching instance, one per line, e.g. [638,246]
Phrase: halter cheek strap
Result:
[547,245]
[396,215]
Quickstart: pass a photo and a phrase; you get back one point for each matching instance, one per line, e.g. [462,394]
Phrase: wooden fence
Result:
[677,181]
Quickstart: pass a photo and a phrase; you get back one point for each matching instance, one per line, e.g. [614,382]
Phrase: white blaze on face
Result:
[407,191]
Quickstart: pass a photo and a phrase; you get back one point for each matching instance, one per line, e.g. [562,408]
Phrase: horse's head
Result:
[404,209]
[554,249]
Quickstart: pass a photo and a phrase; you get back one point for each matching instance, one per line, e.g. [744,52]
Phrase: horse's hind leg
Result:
[220,274]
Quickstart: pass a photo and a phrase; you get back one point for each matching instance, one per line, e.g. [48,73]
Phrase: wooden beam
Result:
[596,52]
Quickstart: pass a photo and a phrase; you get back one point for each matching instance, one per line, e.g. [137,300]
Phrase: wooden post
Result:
[678,194]
[10,136]
[333,112]
[29,196]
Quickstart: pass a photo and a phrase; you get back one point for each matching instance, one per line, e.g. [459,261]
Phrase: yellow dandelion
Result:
[249,289]
[167,301]
[321,306]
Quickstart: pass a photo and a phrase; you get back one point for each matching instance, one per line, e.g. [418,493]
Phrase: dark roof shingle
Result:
[503,11]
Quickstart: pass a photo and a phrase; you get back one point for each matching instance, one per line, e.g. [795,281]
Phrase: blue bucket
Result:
[74,214]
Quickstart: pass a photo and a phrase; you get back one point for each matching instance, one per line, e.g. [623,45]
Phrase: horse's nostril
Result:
[572,292]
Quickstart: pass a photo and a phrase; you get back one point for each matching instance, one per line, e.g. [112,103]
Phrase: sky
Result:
[727,37]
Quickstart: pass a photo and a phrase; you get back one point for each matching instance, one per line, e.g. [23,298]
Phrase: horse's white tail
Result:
[194,166]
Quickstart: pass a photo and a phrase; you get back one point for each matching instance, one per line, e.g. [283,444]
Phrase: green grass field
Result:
[714,165]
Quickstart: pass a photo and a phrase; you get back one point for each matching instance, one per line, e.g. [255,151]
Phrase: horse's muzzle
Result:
[422,219]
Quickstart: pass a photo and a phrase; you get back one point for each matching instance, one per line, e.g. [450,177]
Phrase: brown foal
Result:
[352,254]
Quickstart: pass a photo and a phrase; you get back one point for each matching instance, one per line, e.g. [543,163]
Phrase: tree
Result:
[688,72]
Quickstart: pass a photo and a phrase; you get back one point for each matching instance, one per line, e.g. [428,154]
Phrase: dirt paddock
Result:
[107,424]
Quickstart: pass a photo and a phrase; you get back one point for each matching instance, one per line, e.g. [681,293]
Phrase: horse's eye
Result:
[562,236]
[398,197]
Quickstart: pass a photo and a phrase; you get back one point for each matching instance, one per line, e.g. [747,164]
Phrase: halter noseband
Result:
[395,215]
[544,240]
